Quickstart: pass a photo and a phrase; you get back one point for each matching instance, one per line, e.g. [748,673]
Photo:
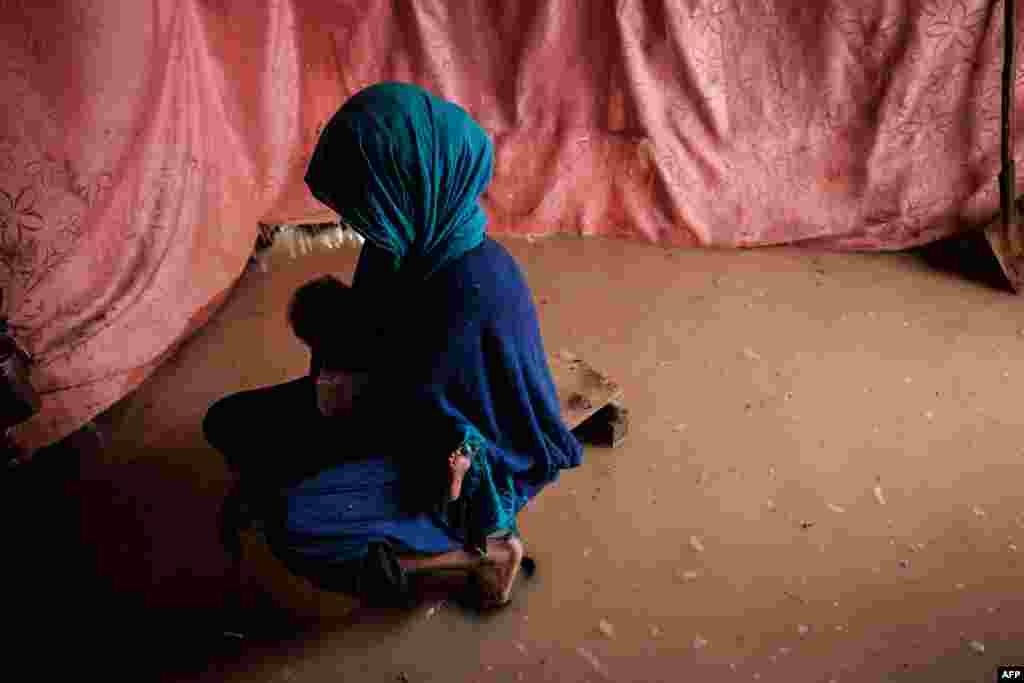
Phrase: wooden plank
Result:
[582,390]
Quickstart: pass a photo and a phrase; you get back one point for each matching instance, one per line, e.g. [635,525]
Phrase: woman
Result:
[467,372]
[328,493]
[459,425]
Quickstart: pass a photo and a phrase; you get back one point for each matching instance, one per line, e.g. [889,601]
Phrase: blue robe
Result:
[463,348]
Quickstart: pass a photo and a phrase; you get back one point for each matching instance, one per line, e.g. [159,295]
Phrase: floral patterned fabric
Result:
[141,142]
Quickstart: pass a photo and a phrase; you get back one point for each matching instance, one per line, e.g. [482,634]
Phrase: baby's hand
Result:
[329,394]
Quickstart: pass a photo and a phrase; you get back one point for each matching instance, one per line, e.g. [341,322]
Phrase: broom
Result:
[1005,243]
[302,239]
[1008,176]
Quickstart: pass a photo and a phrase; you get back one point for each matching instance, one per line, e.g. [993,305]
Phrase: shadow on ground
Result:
[968,257]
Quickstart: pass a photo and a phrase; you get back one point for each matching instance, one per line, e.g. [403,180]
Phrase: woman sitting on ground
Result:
[460,425]
[328,497]
[462,393]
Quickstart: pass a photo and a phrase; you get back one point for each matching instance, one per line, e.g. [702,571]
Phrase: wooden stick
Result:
[1009,173]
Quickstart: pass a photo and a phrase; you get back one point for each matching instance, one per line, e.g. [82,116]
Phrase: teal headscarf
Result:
[405,169]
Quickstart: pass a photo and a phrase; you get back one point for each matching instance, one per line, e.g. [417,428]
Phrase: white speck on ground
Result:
[879,495]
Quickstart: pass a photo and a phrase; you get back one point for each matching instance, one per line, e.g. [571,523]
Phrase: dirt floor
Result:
[823,482]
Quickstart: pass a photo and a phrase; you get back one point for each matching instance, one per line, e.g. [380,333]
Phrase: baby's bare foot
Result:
[498,575]
[458,464]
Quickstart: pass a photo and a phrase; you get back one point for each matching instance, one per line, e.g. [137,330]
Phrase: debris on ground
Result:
[586,552]
[959,586]
[978,512]
[794,596]
[977,646]
[696,544]
[879,494]
[771,506]
[688,576]
[836,508]
[803,630]
[521,648]
[655,632]
[679,428]
[606,628]
[904,564]
[785,651]
[751,354]
[568,356]
[592,660]
[699,643]
[804,524]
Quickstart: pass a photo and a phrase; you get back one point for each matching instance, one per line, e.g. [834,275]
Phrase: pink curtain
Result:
[141,142]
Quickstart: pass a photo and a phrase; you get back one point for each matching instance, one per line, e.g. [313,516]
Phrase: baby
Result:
[340,371]
[340,366]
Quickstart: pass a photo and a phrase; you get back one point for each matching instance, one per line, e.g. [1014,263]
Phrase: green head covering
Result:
[405,169]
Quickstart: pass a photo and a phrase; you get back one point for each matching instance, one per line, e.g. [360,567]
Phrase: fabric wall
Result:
[140,142]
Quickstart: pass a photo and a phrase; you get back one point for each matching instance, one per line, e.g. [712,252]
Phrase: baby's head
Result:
[325,314]
[317,310]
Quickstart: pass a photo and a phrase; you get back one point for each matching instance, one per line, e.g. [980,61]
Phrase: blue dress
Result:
[462,348]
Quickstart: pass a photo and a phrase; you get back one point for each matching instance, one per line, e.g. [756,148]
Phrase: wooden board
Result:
[582,390]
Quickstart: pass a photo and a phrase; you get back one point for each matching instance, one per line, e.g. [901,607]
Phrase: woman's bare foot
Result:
[498,574]
[458,464]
